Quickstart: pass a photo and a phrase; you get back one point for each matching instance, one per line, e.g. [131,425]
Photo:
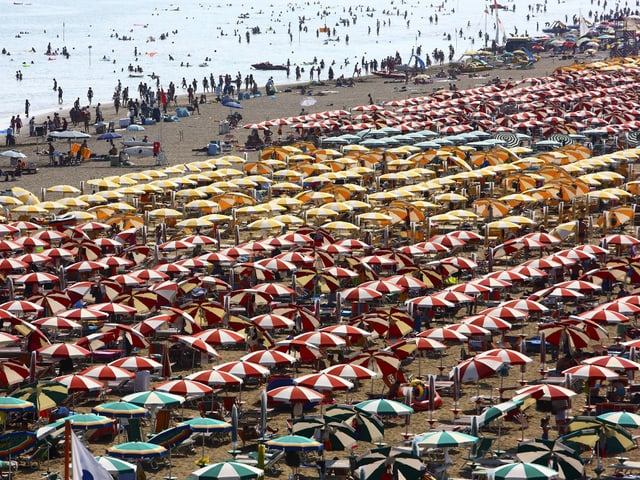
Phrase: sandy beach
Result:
[179,139]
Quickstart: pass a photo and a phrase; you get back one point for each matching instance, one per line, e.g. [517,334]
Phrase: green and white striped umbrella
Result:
[136,450]
[87,421]
[227,471]
[551,453]
[522,471]
[115,466]
[445,439]
[624,419]
[497,411]
[120,410]
[154,399]
[384,407]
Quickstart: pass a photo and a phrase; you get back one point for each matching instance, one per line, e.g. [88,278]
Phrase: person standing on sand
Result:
[90,95]
[27,104]
[59,95]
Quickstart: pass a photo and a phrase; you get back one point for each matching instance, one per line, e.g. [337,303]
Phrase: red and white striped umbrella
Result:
[430,301]
[529,271]
[197,344]
[80,383]
[243,369]
[340,272]
[12,264]
[8,339]
[427,344]
[215,378]
[345,331]
[542,237]
[488,322]
[126,280]
[63,350]
[184,387]
[359,294]
[221,336]
[461,263]
[558,293]
[174,245]
[382,286]
[12,373]
[108,242]
[493,283]
[112,308]
[591,372]
[193,263]
[350,371]
[294,394]
[619,239]
[274,289]
[269,358]
[85,266]
[277,265]
[443,335]
[59,323]
[592,249]
[477,368]
[108,373]
[613,362]
[508,356]
[216,257]
[297,258]
[319,339]
[149,275]
[406,281]
[379,260]
[61,253]
[353,244]
[468,330]
[37,277]
[546,392]
[469,288]
[619,306]
[525,305]
[200,240]
[323,381]
[83,314]
[171,269]
[136,364]
[505,313]
[506,275]
[32,242]
[49,235]
[579,286]
[271,321]
[579,255]
[603,316]
[454,297]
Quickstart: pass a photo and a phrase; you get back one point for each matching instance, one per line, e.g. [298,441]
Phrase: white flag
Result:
[83,464]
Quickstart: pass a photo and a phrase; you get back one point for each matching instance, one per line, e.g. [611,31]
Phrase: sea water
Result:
[103,37]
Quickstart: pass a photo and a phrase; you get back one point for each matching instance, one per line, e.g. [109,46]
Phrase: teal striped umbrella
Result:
[11,404]
[87,421]
[120,410]
[14,443]
[384,407]
[154,399]
[136,450]
[294,443]
[522,471]
[445,439]
[227,471]
[207,425]
[624,419]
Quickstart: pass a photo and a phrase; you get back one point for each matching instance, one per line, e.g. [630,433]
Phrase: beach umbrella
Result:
[350,371]
[242,369]
[154,399]
[227,471]
[522,471]
[207,425]
[116,467]
[63,350]
[613,362]
[215,378]
[184,387]
[196,344]
[136,364]
[319,339]
[272,321]
[108,373]
[608,440]
[221,336]
[323,381]
[80,383]
[14,443]
[552,454]
[136,450]
[269,358]
[545,392]
[380,462]
[369,428]
[591,372]
[120,409]
[385,363]
[294,443]
[444,440]
[11,404]
[44,395]
[384,407]
[623,419]
[291,394]
[477,368]
[89,421]
[335,435]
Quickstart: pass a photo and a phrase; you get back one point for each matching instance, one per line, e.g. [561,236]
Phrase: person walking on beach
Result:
[90,95]
[60,95]
[27,104]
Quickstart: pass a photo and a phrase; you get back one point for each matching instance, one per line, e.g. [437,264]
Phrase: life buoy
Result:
[419,390]
[156,148]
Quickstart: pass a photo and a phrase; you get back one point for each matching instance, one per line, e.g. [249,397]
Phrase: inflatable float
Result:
[420,395]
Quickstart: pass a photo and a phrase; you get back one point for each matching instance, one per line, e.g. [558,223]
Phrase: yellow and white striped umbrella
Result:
[200,222]
[165,213]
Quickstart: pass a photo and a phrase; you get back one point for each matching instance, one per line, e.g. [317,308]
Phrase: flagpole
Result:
[67,449]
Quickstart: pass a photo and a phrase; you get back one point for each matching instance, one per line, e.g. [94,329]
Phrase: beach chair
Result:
[163,418]
[36,457]
[478,451]
[271,465]
[134,434]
